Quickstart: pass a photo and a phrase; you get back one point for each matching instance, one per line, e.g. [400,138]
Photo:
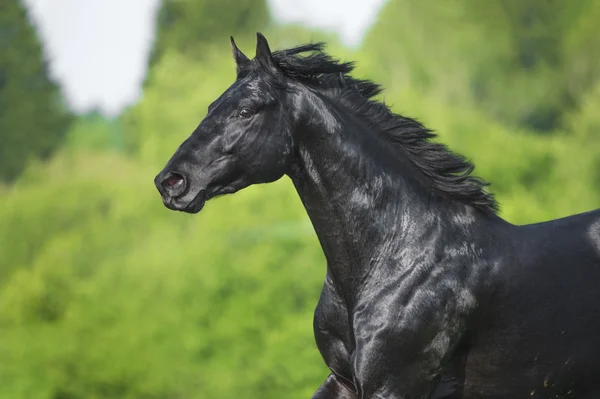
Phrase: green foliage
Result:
[585,120]
[526,63]
[106,294]
[118,298]
[94,132]
[33,120]
[188,26]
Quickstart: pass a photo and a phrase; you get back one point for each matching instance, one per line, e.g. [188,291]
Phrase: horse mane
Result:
[450,173]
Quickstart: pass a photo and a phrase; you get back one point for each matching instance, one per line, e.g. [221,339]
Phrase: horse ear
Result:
[240,59]
[263,52]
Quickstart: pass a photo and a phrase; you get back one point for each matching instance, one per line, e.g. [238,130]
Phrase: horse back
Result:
[538,331]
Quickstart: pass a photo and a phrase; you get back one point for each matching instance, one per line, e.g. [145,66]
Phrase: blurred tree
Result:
[526,62]
[33,118]
[188,25]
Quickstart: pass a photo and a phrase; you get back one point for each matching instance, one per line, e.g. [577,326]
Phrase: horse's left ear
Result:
[240,59]
[263,53]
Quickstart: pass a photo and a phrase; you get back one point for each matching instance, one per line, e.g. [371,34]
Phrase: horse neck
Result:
[363,210]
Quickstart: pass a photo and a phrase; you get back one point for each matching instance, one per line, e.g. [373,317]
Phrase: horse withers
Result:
[428,292]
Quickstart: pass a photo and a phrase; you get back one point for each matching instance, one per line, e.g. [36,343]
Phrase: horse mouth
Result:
[197,203]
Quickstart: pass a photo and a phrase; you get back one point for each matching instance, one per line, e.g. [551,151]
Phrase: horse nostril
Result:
[173,184]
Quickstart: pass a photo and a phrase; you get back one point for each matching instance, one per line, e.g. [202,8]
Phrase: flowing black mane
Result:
[449,172]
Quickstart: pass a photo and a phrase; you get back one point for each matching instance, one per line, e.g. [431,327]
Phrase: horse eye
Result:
[245,113]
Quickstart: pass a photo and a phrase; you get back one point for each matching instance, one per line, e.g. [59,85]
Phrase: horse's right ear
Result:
[240,59]
[263,53]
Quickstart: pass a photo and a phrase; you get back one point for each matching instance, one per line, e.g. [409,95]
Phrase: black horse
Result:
[428,292]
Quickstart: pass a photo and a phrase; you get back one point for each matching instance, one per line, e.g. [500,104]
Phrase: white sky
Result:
[99,55]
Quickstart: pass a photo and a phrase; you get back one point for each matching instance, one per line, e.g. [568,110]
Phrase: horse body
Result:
[531,334]
[502,305]
[538,334]
[428,293]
